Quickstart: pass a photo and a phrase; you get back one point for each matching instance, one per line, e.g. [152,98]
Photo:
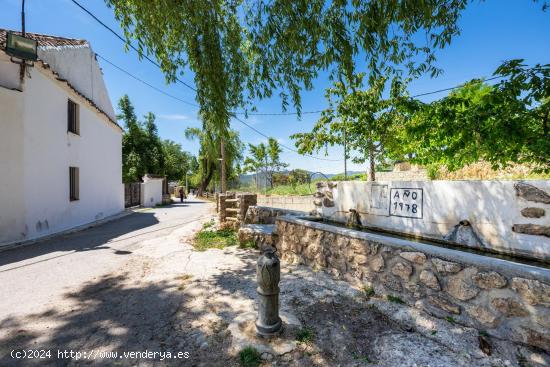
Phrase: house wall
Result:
[42,154]
[78,65]
[12,223]
[493,208]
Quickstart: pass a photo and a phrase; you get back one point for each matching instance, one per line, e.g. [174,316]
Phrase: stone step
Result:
[231,200]
[232,210]
[231,219]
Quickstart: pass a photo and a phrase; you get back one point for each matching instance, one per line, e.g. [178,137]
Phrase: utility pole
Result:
[266,174]
[23,18]
[222,168]
[345,154]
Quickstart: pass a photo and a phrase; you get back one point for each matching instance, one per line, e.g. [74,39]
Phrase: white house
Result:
[60,145]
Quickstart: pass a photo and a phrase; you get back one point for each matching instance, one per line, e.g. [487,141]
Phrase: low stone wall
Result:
[302,203]
[506,299]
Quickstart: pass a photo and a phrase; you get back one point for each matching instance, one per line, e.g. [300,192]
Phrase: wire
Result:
[190,87]
[129,44]
[144,82]
[284,146]
[455,87]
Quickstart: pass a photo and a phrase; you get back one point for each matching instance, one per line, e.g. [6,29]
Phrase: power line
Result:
[266,114]
[144,82]
[190,87]
[284,146]
[129,44]
[192,104]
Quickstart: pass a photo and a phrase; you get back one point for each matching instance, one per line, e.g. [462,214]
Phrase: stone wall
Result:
[506,299]
[296,202]
[510,217]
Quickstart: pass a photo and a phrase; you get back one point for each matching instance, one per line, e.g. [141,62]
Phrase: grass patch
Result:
[450,319]
[395,299]
[219,239]
[305,335]
[433,332]
[247,245]
[208,224]
[360,357]
[250,357]
[367,290]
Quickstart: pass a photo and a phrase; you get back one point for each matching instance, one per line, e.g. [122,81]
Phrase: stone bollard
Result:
[268,272]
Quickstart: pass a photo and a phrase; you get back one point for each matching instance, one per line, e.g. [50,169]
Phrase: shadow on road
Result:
[86,240]
[118,313]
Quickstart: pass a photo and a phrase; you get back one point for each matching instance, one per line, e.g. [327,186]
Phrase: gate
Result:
[132,194]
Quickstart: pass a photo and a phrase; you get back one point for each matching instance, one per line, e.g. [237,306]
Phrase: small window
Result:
[74,183]
[73,118]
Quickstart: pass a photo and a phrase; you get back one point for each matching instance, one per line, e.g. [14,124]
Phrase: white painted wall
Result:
[151,192]
[492,207]
[37,150]
[79,65]
[12,223]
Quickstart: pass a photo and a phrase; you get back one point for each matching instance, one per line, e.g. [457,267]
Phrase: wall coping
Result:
[484,262]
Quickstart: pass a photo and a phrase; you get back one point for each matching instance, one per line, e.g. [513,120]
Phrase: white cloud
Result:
[174,117]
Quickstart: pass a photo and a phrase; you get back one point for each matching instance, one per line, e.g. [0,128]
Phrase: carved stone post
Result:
[268,272]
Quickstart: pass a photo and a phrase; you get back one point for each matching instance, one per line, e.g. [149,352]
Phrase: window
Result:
[74,183]
[73,118]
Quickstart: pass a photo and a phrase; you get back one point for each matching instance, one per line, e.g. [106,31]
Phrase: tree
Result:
[256,161]
[141,145]
[177,163]
[232,46]
[209,153]
[500,124]
[361,118]
[266,158]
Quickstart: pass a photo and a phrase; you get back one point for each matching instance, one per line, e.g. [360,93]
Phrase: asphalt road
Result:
[36,277]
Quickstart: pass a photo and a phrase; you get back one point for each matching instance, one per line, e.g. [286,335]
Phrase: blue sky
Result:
[492,31]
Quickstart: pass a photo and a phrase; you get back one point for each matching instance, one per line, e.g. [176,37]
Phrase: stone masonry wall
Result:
[508,300]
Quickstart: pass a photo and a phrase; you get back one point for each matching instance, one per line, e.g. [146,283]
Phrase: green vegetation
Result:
[368,290]
[364,122]
[247,245]
[395,299]
[305,335]
[209,238]
[210,152]
[501,124]
[451,319]
[264,159]
[144,152]
[360,357]
[250,357]
[239,52]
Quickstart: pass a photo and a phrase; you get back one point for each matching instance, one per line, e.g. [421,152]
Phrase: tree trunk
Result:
[371,163]
[206,180]
[222,173]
